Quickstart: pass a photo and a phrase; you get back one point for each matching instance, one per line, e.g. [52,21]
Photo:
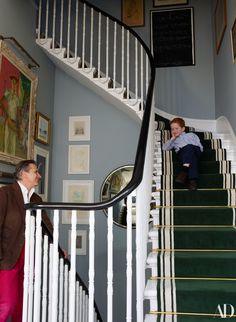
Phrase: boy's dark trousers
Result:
[190,154]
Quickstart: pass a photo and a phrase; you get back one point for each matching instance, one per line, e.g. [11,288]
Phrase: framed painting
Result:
[77,191]
[172,47]
[18,86]
[81,242]
[220,22]
[42,128]
[41,156]
[233,41]
[78,159]
[133,13]
[79,128]
[162,3]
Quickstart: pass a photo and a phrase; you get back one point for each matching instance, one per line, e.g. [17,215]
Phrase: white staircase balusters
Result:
[73,267]
[66,287]
[68,31]
[53,25]
[45,279]
[114,54]
[31,269]
[129,271]
[37,270]
[61,289]
[91,263]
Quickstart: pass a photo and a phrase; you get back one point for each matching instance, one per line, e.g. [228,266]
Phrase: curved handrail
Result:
[141,149]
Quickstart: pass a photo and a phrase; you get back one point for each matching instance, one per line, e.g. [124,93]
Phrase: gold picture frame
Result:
[162,3]
[18,85]
[220,22]
[42,128]
[132,13]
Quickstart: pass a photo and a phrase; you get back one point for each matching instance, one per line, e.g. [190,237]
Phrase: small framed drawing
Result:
[42,128]
[78,159]
[79,128]
[41,156]
[81,242]
[77,191]
[161,3]
[133,13]
[220,22]
[233,40]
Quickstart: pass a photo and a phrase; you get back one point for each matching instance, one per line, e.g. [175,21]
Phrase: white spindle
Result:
[83,306]
[76,28]
[141,77]
[91,39]
[127,71]
[31,268]
[129,260]
[45,279]
[50,294]
[77,302]
[136,68]
[80,303]
[114,55]
[37,270]
[91,262]
[84,35]
[68,29]
[107,47]
[147,74]
[73,267]
[26,266]
[66,284]
[99,43]
[55,266]
[47,14]
[110,265]
[61,284]
[53,24]
[39,19]
[61,22]
[122,57]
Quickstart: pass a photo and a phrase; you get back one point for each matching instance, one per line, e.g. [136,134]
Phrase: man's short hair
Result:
[22,166]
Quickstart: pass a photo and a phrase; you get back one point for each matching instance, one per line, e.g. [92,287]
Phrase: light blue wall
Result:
[17,19]
[225,72]
[113,143]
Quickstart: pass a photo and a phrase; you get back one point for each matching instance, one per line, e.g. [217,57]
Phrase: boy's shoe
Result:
[181,177]
[192,185]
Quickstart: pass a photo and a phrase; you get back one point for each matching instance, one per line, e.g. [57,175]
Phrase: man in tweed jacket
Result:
[12,237]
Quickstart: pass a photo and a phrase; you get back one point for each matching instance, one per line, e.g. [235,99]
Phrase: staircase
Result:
[192,262]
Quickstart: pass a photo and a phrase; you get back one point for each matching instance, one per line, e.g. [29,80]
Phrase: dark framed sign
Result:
[172,37]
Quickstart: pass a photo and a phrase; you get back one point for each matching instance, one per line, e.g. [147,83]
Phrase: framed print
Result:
[18,86]
[79,128]
[41,156]
[233,41]
[220,22]
[81,242]
[78,159]
[172,47]
[42,128]
[161,3]
[133,13]
[77,191]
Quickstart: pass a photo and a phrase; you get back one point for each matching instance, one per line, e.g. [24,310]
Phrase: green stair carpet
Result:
[196,237]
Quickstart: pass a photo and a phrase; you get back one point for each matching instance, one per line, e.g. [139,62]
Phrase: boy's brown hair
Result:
[179,121]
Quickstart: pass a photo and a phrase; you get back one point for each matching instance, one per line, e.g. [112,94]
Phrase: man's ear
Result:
[183,128]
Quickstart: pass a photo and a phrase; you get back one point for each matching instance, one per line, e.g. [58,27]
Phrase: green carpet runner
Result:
[196,238]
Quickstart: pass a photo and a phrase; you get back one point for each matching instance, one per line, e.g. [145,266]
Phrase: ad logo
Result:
[225,311]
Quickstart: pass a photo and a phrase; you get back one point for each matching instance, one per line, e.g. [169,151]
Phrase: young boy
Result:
[188,149]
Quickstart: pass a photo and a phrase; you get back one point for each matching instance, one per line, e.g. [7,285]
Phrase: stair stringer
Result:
[85,78]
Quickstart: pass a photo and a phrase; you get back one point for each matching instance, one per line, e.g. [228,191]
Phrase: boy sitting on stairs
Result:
[188,149]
